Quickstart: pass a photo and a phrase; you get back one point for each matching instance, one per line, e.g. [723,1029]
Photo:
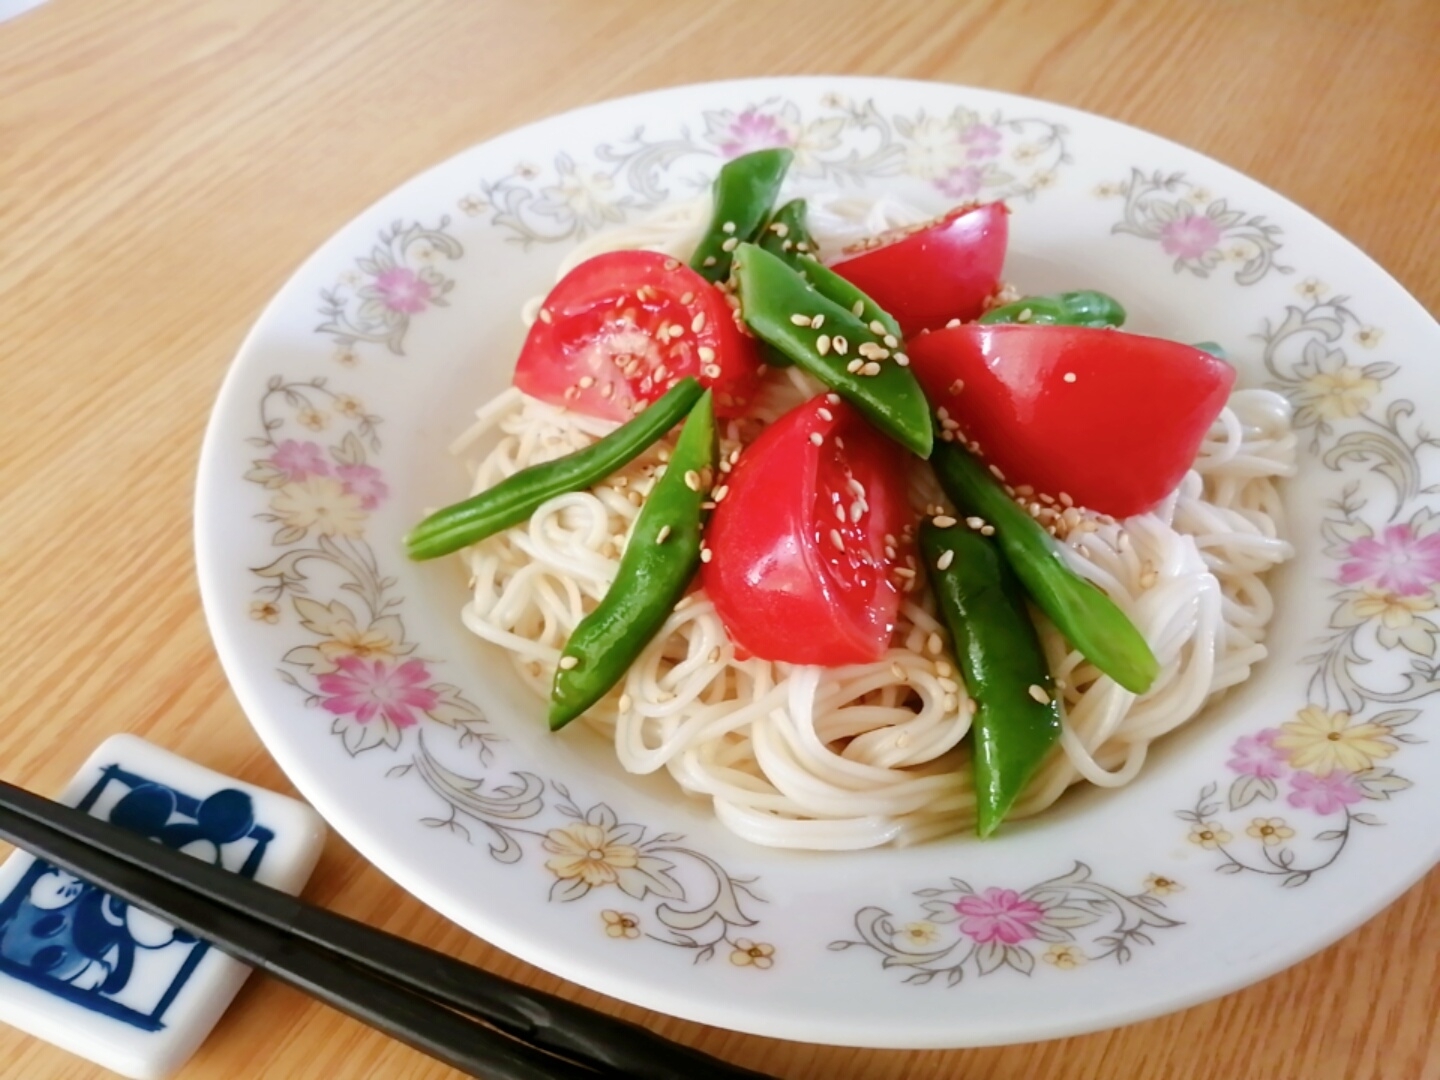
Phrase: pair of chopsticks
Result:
[480,1023]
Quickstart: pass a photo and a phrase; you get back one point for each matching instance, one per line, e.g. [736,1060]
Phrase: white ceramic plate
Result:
[1222,864]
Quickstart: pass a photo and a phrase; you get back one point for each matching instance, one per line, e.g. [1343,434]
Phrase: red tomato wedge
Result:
[621,328]
[1111,419]
[928,274]
[798,567]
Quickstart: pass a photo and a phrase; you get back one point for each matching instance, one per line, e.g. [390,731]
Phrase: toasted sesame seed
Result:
[943,669]
[677,331]
[858,308]
[1069,376]
[711,371]
[987,530]
[568,662]
[705,555]
[779,228]
[728,227]
[995,472]
[672,264]
[951,703]
[1038,693]
[904,571]
[692,480]
[822,344]
[626,702]
[720,492]
[890,552]
[840,345]
[698,323]
[896,670]
[708,261]
[817,439]
[933,644]
[944,521]
[824,414]
[687,298]
[730,244]
[1025,315]
[947,683]
[706,354]
[833,399]
[839,513]
[1065,499]
[545,315]
[1122,543]
[946,558]
[817,321]
[663,534]
[800,320]
[837,539]
[957,386]
[902,360]
[855,365]
[952,322]
[857,511]
[871,368]
[572,392]
[876,326]
[839,442]
[891,340]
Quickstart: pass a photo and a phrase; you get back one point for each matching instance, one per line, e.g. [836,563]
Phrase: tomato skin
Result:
[602,324]
[779,584]
[1109,418]
[928,275]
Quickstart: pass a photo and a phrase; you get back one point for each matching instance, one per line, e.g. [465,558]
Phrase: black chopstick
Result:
[329,956]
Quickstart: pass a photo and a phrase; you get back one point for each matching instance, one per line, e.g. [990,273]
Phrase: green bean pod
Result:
[1083,308]
[1088,618]
[774,300]
[516,497]
[787,234]
[660,559]
[745,190]
[1017,719]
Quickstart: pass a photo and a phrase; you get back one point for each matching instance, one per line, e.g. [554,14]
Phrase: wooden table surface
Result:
[164,166]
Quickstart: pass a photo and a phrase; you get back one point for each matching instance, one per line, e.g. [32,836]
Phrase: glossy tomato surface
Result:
[799,570]
[1113,420]
[929,274]
[621,328]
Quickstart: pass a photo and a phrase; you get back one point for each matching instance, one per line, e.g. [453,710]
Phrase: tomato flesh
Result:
[799,570]
[621,328]
[1111,419]
[929,274]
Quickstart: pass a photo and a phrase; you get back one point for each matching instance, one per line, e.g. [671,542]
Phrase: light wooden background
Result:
[165,164]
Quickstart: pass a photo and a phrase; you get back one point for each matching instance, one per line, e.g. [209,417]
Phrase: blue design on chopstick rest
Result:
[76,941]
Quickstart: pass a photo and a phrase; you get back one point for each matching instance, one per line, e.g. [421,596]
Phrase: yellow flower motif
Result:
[1341,394]
[320,503]
[1026,152]
[833,101]
[920,934]
[1210,835]
[1394,612]
[346,356]
[1156,885]
[1270,831]
[313,419]
[1320,742]
[1238,253]
[351,278]
[1064,957]
[264,611]
[347,639]
[1199,195]
[749,953]
[349,406]
[472,206]
[1369,336]
[527,171]
[1043,180]
[586,851]
[621,924]
[1312,288]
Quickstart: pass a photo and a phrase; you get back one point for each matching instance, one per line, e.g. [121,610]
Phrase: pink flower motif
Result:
[983,140]
[753,130]
[365,689]
[299,460]
[1189,236]
[1255,755]
[364,481]
[999,913]
[1323,794]
[961,183]
[1399,561]
[402,290]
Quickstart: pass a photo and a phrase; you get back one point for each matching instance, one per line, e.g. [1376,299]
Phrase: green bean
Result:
[516,497]
[745,190]
[787,235]
[661,556]
[1083,308]
[834,346]
[1088,618]
[1017,720]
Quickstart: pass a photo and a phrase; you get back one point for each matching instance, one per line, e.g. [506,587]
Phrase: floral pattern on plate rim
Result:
[358,664]
[961,154]
[1190,223]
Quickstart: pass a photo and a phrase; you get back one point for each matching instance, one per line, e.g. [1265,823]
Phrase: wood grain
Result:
[165,164]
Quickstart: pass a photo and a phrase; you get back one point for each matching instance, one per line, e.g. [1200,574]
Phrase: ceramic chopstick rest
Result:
[101,979]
